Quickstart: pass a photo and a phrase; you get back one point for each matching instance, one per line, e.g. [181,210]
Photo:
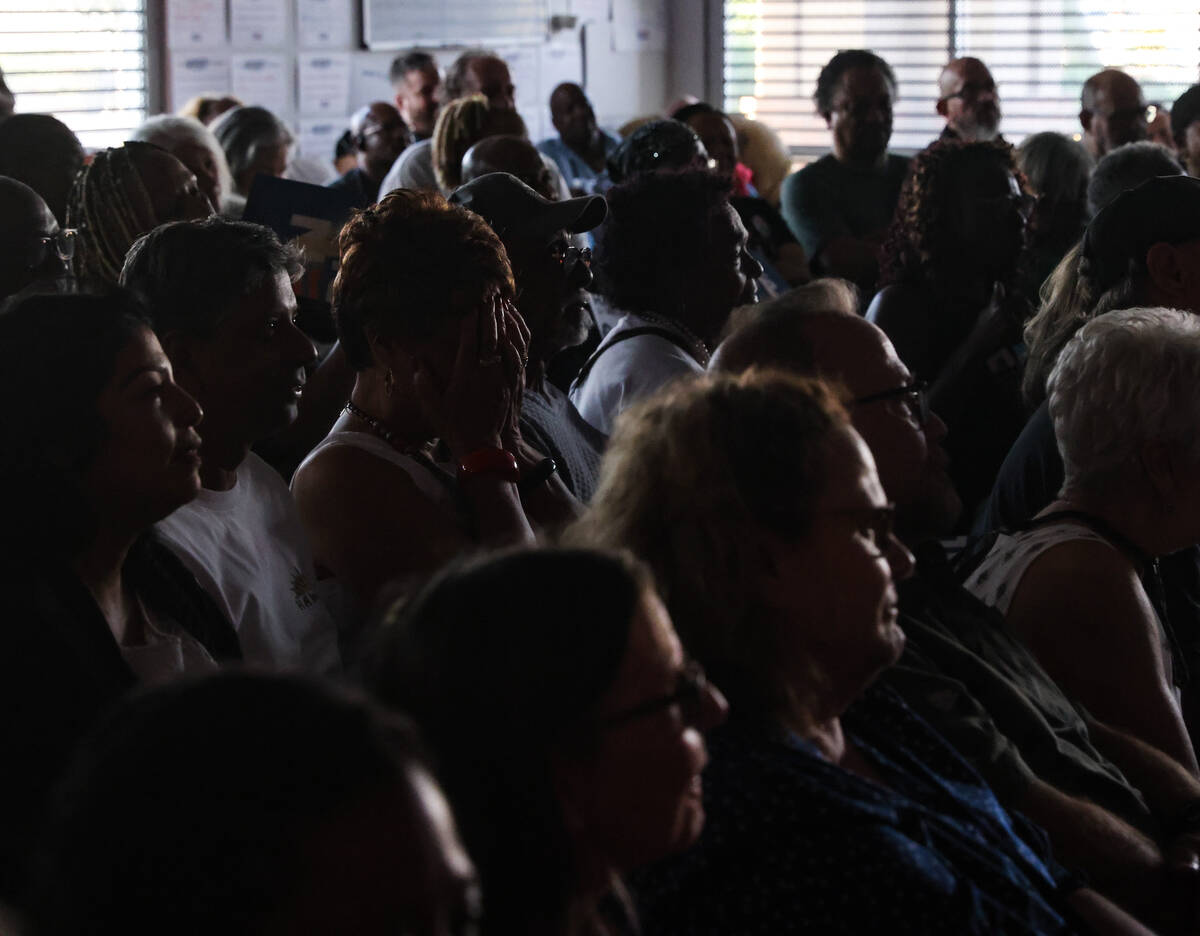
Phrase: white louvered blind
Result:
[84,61]
[1039,51]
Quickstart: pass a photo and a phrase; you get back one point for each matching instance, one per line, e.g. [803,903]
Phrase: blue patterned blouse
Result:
[795,844]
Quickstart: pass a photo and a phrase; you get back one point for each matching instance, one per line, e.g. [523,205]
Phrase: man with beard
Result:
[417,81]
[1112,112]
[552,276]
[839,206]
[968,100]
[581,148]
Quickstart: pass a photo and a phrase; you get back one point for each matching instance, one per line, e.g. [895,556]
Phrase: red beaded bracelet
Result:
[490,461]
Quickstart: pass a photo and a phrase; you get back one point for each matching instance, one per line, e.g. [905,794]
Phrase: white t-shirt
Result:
[631,369]
[413,169]
[248,550]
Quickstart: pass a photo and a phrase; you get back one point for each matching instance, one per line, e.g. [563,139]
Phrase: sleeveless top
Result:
[433,477]
[997,577]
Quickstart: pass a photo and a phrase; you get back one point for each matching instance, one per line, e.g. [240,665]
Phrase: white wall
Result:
[622,85]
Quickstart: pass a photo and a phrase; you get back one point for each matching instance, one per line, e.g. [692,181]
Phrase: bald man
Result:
[968,100]
[1112,112]
[514,155]
[581,148]
[380,135]
[32,248]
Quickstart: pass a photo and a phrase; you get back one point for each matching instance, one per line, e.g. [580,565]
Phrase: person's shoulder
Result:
[340,475]
[817,169]
[1081,559]
[652,357]
[897,302]
[550,146]
[260,479]
[414,152]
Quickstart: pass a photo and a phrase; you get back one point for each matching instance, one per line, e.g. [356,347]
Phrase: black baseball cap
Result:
[1162,210]
[512,209]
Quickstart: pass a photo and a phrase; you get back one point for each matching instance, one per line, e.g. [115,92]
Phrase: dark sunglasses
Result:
[688,695]
[915,397]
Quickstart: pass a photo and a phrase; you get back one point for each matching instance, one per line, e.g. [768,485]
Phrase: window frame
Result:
[714,68]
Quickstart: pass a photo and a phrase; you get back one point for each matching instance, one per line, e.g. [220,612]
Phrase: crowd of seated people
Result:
[560,586]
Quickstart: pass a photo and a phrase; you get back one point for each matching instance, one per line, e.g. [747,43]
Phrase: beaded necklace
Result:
[697,347]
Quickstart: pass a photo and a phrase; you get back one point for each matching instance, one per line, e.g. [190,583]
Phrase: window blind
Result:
[1039,51]
[84,61]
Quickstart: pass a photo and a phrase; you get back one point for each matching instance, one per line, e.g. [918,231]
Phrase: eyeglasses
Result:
[1129,114]
[63,243]
[914,396]
[688,695]
[564,254]
[877,523]
[1022,201]
[971,90]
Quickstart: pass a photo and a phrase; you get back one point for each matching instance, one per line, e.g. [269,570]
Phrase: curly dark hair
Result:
[920,240]
[1184,112]
[657,234]
[841,63]
[409,264]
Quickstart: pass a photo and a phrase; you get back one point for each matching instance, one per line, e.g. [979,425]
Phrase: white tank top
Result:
[433,478]
[996,579]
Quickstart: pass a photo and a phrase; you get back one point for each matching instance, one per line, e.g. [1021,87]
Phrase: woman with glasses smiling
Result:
[830,806]
[565,724]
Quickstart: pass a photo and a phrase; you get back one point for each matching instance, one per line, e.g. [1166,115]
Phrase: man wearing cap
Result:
[1112,111]
[551,275]
[379,135]
[968,100]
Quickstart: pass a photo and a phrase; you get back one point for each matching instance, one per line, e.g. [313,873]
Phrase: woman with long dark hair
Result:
[100,444]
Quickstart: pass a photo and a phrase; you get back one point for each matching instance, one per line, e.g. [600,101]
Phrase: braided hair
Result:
[460,125]
[110,206]
[920,244]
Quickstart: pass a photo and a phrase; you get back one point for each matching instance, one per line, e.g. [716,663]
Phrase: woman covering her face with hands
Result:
[427,458]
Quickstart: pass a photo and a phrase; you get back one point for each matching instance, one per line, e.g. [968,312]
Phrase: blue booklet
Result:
[312,216]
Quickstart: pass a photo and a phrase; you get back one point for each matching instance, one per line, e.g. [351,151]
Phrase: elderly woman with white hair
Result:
[255,142]
[1075,583]
[194,145]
